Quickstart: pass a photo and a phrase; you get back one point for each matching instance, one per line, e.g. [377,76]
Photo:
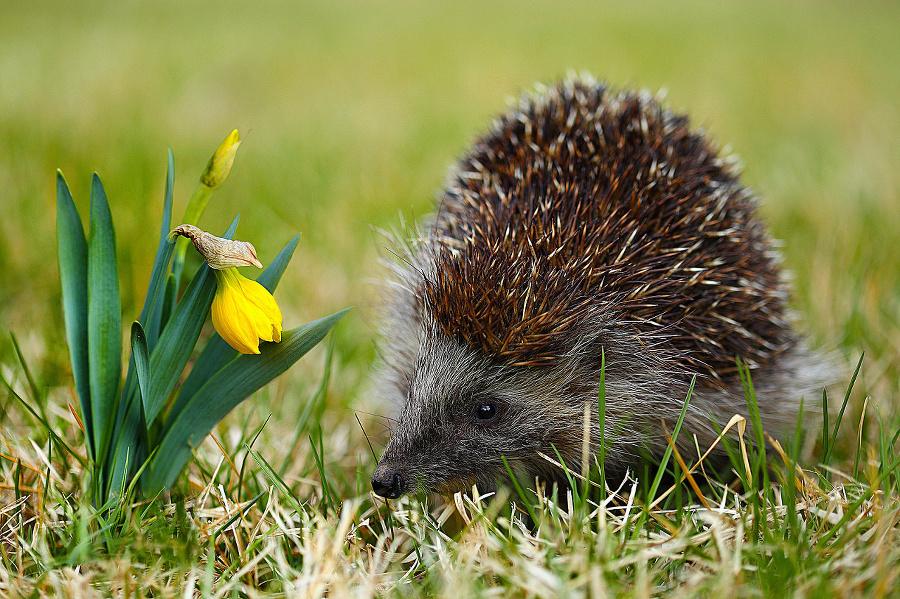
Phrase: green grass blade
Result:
[217,353]
[276,480]
[837,424]
[316,399]
[576,495]
[760,471]
[601,415]
[226,389]
[177,340]
[525,503]
[238,514]
[657,480]
[126,452]
[72,248]
[104,319]
[825,428]
[36,395]
[318,455]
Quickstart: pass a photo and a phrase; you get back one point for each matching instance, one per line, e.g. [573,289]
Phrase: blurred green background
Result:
[351,114]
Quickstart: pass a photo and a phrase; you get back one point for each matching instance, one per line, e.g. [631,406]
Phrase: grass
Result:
[351,113]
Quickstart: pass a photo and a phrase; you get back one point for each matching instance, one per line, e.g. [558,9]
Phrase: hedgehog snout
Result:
[388,482]
[415,459]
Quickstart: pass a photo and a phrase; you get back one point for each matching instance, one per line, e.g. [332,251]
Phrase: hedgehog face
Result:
[460,416]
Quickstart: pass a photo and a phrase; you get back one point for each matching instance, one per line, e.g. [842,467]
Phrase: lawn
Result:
[351,115]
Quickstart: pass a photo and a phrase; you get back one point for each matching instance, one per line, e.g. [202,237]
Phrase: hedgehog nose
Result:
[387,482]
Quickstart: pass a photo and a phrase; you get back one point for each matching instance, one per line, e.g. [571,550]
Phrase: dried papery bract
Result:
[219,253]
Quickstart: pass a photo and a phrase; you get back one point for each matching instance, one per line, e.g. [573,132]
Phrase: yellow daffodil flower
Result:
[243,312]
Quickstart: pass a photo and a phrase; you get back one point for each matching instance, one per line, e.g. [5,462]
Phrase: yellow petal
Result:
[269,321]
[228,314]
[244,312]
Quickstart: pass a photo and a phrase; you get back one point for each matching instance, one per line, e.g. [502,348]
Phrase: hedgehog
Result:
[590,235]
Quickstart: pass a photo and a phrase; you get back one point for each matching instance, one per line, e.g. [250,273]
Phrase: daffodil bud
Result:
[220,164]
[219,253]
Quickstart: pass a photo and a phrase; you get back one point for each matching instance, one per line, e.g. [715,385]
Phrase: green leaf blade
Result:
[226,389]
[130,436]
[271,275]
[141,355]
[151,314]
[104,318]
[175,344]
[72,250]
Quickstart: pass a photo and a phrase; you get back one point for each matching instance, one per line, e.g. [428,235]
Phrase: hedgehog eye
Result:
[485,411]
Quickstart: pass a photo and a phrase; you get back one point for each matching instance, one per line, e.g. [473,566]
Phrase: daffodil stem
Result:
[192,214]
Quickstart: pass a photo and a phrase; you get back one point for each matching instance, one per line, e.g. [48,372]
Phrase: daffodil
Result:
[243,311]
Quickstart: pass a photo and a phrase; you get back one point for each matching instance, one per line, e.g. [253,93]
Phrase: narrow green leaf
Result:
[271,275]
[166,224]
[130,431]
[151,314]
[141,356]
[319,456]
[128,446]
[126,452]
[668,452]
[192,213]
[243,376]
[525,502]
[104,319]
[276,480]
[837,425]
[178,338]
[72,248]
[214,356]
[217,352]
[174,347]
[168,301]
